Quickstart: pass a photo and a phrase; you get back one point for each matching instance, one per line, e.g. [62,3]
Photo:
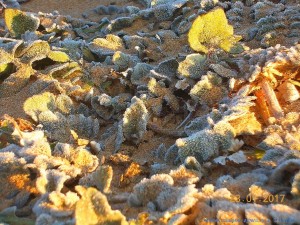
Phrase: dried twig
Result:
[167,132]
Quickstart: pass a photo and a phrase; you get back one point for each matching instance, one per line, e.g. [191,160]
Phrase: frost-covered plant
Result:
[209,90]
[140,73]
[106,46]
[201,145]
[17,60]
[160,194]
[210,31]
[241,184]
[101,178]
[57,204]
[55,114]
[51,180]
[94,204]
[135,121]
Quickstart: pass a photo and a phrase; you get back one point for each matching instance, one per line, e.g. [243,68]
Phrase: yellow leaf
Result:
[58,56]
[211,30]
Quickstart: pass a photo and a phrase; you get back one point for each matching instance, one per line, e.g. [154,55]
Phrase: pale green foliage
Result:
[135,120]
[19,22]
[209,89]
[210,31]
[93,209]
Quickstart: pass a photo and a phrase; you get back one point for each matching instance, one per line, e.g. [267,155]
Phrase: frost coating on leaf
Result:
[203,34]
[201,145]
[207,143]
[140,73]
[94,204]
[148,189]
[8,216]
[284,213]
[161,195]
[135,121]
[296,185]
[288,167]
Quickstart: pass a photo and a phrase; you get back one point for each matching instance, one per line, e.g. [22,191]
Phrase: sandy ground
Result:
[74,8]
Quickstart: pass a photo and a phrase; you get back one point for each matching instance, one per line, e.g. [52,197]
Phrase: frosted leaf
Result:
[193,66]
[106,46]
[202,145]
[148,189]
[57,204]
[101,178]
[296,185]
[183,176]
[208,90]
[177,200]
[257,215]
[37,104]
[51,180]
[135,121]
[158,90]
[19,22]
[8,216]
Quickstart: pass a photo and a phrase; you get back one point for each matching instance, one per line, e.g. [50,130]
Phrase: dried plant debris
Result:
[160,112]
